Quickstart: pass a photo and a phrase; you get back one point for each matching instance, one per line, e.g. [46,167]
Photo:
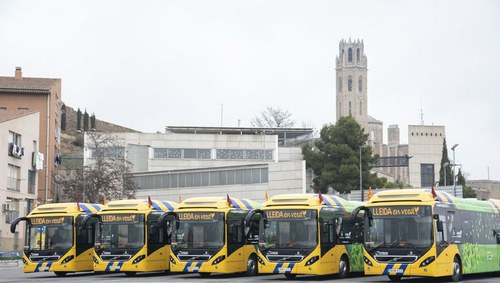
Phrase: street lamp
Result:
[454,179]
[361,174]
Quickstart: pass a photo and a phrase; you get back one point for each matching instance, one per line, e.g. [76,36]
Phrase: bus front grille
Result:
[285,258]
[115,257]
[396,258]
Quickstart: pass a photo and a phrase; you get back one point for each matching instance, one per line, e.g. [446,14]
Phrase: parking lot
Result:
[10,272]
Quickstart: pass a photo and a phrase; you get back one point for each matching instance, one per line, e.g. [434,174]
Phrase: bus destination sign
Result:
[200,216]
[119,217]
[287,214]
[397,211]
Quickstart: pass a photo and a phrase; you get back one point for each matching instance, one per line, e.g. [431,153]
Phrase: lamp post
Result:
[361,174]
[454,179]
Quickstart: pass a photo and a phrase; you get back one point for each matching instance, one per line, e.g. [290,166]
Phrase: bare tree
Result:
[108,173]
[273,117]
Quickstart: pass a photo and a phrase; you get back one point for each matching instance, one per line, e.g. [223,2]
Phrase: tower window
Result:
[350,109]
[357,55]
[360,84]
[349,55]
[340,109]
[349,83]
[339,86]
[360,108]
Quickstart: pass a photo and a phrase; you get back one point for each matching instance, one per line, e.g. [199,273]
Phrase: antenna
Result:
[221,114]
[421,116]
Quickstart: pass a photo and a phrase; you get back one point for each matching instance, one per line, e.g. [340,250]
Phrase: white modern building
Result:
[214,161]
[18,172]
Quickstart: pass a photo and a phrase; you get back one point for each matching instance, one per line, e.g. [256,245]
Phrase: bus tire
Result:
[204,274]
[395,278]
[457,270]
[252,267]
[60,273]
[290,276]
[343,267]
[130,273]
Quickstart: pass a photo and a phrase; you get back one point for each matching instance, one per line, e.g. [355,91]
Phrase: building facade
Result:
[424,152]
[18,172]
[189,162]
[42,95]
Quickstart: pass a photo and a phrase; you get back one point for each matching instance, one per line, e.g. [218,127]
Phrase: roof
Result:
[139,205]
[218,203]
[58,209]
[31,85]
[11,115]
[292,201]
[280,132]
[373,120]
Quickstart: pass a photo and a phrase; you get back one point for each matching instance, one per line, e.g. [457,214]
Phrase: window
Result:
[360,108]
[3,109]
[357,55]
[14,138]
[349,55]
[13,178]
[360,84]
[427,175]
[22,109]
[31,181]
[340,109]
[349,83]
[339,86]
[350,109]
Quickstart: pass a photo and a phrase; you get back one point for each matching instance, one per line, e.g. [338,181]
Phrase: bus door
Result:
[441,233]
[157,240]
[328,223]
[85,238]
[235,241]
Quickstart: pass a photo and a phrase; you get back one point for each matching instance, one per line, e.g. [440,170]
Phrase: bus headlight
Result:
[172,260]
[67,259]
[427,261]
[312,260]
[260,260]
[139,258]
[95,260]
[24,261]
[219,259]
[367,261]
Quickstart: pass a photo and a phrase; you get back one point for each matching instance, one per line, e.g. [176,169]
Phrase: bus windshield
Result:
[289,229]
[399,227]
[200,230]
[122,231]
[50,233]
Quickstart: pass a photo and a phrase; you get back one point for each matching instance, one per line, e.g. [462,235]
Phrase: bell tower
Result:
[351,81]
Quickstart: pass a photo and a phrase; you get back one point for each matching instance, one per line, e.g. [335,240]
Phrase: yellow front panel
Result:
[157,261]
[328,264]
[441,266]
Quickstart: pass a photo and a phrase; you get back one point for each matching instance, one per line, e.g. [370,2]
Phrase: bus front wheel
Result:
[457,270]
[395,278]
[252,267]
[343,267]
[60,274]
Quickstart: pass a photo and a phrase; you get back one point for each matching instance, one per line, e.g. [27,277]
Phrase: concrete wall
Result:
[27,127]
[425,145]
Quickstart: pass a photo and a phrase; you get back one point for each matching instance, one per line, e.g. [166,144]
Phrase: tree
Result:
[445,169]
[335,157]
[273,118]
[108,173]
[92,121]
[467,192]
[63,117]
[86,121]
[79,120]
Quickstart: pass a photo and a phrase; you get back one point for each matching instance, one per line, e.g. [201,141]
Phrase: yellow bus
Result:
[211,237]
[133,236]
[309,234]
[418,232]
[59,238]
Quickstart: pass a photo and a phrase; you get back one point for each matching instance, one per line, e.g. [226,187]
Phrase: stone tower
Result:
[351,78]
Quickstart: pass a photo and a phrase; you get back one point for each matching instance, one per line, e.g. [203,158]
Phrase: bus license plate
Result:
[392,270]
[285,269]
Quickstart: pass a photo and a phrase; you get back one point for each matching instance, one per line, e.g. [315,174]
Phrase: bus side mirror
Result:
[439,225]
[14,224]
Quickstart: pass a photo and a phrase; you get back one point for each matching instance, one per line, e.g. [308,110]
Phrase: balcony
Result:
[16,151]
[13,184]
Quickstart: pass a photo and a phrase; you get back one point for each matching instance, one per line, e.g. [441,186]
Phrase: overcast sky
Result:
[149,64]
